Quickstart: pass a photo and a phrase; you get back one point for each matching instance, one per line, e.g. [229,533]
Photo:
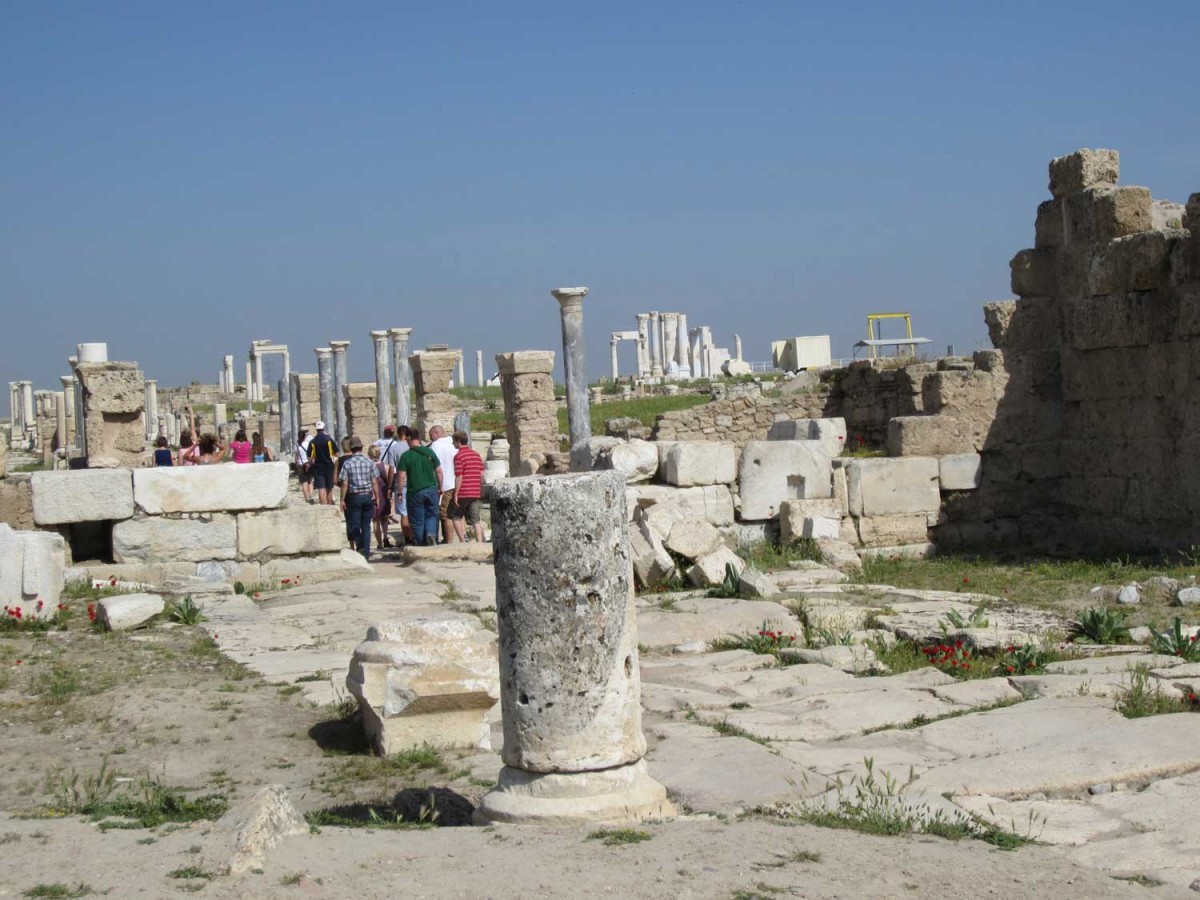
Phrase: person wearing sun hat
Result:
[322,452]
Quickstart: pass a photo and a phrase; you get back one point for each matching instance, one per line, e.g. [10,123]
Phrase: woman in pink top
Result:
[240,449]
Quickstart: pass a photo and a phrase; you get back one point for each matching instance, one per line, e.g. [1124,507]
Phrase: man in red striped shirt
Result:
[468,487]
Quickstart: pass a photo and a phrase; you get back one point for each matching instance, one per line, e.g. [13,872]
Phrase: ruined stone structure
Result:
[431,372]
[307,400]
[114,394]
[530,413]
[362,416]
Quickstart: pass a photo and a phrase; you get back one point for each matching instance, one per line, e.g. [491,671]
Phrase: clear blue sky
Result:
[177,179]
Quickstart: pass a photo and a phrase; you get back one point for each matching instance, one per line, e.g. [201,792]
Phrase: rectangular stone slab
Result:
[88,495]
[888,487]
[222,488]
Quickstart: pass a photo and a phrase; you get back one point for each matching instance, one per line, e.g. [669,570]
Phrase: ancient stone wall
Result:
[362,413]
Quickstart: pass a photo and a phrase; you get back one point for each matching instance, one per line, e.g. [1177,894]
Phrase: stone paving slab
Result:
[709,618]
[1105,684]
[1098,665]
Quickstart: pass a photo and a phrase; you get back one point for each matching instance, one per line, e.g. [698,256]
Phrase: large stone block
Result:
[636,460]
[960,471]
[45,556]
[1139,262]
[652,564]
[885,487]
[997,315]
[774,471]
[693,538]
[1118,320]
[700,463]
[710,569]
[222,488]
[127,611]
[16,501]
[430,679]
[159,539]
[795,514]
[909,436]
[1032,272]
[830,433]
[1122,211]
[1082,169]
[292,531]
[661,506]
[525,362]
[112,388]
[87,495]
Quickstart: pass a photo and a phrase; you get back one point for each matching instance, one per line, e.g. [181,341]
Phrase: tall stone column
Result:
[612,350]
[706,346]
[68,389]
[28,414]
[80,421]
[479,379]
[340,424]
[325,386]
[151,409]
[579,424]
[401,374]
[60,420]
[432,372]
[737,347]
[670,329]
[258,382]
[681,346]
[249,385]
[656,367]
[462,374]
[570,688]
[697,337]
[286,436]
[14,415]
[383,382]
[229,374]
[643,330]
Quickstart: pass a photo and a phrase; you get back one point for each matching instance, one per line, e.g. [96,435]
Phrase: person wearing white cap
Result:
[322,452]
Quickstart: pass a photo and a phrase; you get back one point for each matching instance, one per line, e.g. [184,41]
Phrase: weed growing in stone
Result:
[1175,643]
[766,641]
[1144,697]
[954,619]
[1099,625]
[146,805]
[729,584]
[728,729]
[766,555]
[58,890]
[192,872]
[185,612]
[825,636]
[613,837]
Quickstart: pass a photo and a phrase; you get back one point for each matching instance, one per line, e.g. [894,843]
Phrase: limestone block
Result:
[1120,211]
[700,463]
[792,515]
[1032,273]
[736,367]
[221,488]
[997,315]
[662,506]
[884,487]
[756,585]
[16,501]
[525,362]
[710,569]
[820,528]
[290,532]
[12,567]
[652,564]
[588,452]
[112,388]
[693,538]
[126,611]
[841,491]
[1082,169]
[939,435]
[636,460]
[1048,227]
[831,433]
[432,370]
[1189,596]
[886,531]
[44,559]
[774,471]
[1139,262]
[159,539]
[86,495]
[240,839]
[839,554]
[960,471]
[428,679]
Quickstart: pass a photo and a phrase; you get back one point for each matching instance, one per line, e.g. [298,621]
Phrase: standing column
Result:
[479,368]
[14,414]
[325,385]
[570,689]
[287,426]
[258,382]
[579,423]
[670,328]
[68,389]
[229,374]
[249,385]
[401,374]
[462,372]
[681,346]
[643,329]
[80,421]
[612,350]
[383,386]
[706,346]
[60,420]
[151,409]
[737,346]
[340,380]
[294,404]
[27,410]
[697,337]
[656,367]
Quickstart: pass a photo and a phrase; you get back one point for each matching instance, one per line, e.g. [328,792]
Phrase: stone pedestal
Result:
[432,371]
[570,687]
[530,413]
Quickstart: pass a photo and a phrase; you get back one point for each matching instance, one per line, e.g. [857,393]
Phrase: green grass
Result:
[145,805]
[82,589]
[191,872]
[644,409]
[1144,697]
[766,555]
[613,837]
[58,889]
[727,729]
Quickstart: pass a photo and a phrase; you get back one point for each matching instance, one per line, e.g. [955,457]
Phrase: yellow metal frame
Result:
[872,318]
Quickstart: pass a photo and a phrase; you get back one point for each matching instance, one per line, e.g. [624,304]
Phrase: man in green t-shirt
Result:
[421,473]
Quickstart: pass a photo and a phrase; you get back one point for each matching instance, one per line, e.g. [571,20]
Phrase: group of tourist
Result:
[205,449]
[401,480]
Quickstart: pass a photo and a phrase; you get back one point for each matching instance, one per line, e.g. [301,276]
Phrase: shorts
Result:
[468,509]
[304,474]
[445,504]
[323,478]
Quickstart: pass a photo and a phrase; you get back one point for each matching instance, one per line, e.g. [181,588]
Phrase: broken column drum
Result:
[569,681]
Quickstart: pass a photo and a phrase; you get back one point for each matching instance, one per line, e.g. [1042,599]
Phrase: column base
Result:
[619,796]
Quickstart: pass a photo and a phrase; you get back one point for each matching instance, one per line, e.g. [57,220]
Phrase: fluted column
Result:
[656,366]
[383,382]
[340,379]
[151,409]
[325,385]
[401,374]
[612,350]
[681,346]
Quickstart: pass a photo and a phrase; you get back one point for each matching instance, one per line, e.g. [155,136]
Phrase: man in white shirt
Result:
[443,445]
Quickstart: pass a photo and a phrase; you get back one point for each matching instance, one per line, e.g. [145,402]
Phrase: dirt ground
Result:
[164,707]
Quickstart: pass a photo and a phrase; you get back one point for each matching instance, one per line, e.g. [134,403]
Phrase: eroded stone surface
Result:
[224,488]
[88,495]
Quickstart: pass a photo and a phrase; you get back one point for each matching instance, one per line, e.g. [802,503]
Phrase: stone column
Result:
[612,350]
[68,389]
[249,385]
[14,415]
[28,414]
[670,329]
[570,688]
[80,422]
[479,379]
[340,425]
[151,409]
[698,367]
[401,374]
[60,420]
[325,386]
[656,366]
[462,374]
[570,301]
[383,382]
[229,374]
[737,347]
[287,426]
[706,346]
[220,415]
[681,346]
[530,413]
[258,382]
[643,329]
